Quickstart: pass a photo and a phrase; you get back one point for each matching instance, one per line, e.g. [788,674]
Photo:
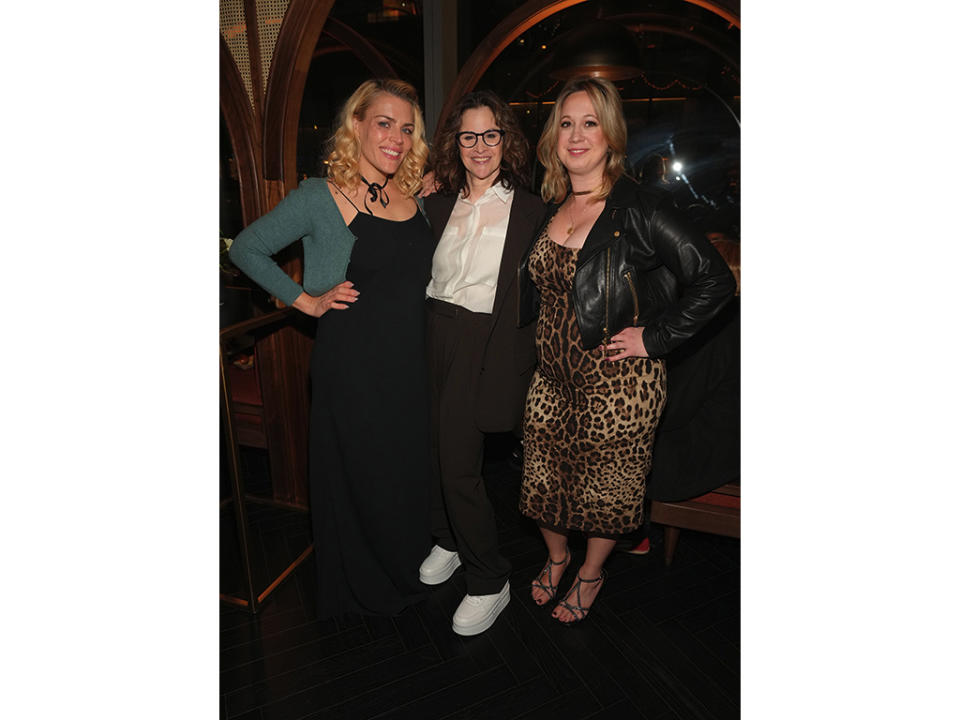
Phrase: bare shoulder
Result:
[345,201]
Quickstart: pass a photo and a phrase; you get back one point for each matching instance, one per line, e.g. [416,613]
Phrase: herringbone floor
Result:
[659,644]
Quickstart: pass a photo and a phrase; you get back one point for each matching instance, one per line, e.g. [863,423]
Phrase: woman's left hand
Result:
[627,343]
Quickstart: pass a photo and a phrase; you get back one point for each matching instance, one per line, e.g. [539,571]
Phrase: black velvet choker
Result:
[377,193]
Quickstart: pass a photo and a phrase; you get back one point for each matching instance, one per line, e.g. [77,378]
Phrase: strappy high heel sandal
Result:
[579,612]
[548,587]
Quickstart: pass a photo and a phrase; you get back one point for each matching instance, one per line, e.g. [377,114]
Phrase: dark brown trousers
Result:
[461,514]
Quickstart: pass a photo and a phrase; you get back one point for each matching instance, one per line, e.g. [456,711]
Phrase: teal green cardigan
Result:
[309,212]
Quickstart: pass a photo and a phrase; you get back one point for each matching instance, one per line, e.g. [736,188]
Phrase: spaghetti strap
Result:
[345,197]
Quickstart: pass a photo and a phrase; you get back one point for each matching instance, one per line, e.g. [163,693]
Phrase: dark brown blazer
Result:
[509,355]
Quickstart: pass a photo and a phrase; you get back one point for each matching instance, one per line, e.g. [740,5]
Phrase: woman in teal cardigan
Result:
[367,253]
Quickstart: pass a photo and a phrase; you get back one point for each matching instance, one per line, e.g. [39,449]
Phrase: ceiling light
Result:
[601,48]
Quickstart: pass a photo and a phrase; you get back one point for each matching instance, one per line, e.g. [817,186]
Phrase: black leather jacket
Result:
[642,264]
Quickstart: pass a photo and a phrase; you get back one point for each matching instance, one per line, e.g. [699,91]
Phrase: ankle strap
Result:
[598,578]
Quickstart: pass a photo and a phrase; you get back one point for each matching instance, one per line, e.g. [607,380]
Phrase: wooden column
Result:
[439,58]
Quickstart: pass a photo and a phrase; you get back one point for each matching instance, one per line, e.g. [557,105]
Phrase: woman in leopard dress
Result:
[618,278]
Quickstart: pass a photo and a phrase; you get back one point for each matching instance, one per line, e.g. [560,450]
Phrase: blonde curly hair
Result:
[606,102]
[343,159]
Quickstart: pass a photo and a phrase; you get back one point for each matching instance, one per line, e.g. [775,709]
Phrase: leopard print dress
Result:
[588,425]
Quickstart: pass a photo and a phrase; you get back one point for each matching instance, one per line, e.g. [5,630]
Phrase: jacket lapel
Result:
[519,237]
[601,234]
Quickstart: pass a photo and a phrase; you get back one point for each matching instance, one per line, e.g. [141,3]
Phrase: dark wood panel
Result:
[244,133]
[283,363]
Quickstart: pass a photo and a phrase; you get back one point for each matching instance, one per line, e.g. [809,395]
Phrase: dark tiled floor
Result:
[661,644]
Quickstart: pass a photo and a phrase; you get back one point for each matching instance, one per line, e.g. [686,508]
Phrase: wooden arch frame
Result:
[303,24]
[301,28]
[267,153]
[244,134]
[356,43]
[521,20]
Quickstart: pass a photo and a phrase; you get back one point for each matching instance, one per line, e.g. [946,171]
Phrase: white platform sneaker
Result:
[439,566]
[476,613]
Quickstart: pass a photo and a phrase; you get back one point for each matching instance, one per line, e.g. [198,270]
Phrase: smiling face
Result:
[386,135]
[581,144]
[481,161]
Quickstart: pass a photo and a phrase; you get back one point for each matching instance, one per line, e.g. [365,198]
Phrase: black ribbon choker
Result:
[377,193]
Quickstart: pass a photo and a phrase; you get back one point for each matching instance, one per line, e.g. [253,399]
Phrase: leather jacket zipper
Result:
[606,299]
[636,300]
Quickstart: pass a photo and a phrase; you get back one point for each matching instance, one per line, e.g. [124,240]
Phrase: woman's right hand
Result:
[429,185]
[335,298]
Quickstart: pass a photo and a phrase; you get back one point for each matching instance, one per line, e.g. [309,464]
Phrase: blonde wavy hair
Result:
[609,109]
[343,158]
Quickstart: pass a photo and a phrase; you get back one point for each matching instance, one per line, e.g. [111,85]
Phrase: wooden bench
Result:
[717,512]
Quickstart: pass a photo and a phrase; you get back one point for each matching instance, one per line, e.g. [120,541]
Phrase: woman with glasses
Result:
[617,278]
[479,361]
[367,251]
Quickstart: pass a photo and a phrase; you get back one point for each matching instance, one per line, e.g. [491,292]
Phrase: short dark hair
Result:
[449,173]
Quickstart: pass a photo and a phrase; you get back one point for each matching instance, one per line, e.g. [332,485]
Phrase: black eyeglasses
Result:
[491,138]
